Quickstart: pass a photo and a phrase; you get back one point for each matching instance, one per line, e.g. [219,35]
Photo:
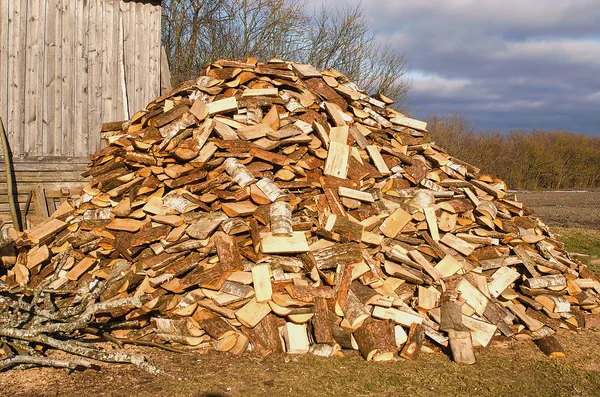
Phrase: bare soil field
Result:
[507,368]
[573,209]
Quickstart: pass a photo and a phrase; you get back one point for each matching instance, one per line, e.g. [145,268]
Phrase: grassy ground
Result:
[583,241]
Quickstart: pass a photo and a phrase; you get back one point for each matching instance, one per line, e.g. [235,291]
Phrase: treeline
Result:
[524,159]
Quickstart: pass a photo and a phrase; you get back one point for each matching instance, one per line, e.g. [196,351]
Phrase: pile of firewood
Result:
[276,208]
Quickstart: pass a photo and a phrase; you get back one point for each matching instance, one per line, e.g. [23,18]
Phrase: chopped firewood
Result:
[272,197]
[413,344]
[320,321]
[373,151]
[228,252]
[462,347]
[376,340]
[296,338]
[45,231]
[280,217]
[261,279]
[395,222]
[550,346]
[242,208]
[458,244]
[271,244]
[399,317]
[252,313]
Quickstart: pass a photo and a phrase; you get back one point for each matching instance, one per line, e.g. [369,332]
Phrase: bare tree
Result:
[197,32]
[342,38]
[183,36]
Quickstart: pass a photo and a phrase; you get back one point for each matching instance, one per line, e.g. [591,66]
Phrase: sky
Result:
[505,64]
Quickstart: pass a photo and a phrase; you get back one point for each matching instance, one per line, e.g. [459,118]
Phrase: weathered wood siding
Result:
[66,66]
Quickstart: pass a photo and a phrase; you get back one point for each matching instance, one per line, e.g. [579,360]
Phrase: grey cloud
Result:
[509,64]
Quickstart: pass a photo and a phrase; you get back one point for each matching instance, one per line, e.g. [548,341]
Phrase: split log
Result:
[550,346]
[413,344]
[376,340]
[281,219]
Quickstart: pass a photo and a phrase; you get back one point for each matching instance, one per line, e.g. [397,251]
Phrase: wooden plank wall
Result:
[67,66]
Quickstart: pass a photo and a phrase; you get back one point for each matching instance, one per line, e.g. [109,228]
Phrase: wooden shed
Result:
[67,66]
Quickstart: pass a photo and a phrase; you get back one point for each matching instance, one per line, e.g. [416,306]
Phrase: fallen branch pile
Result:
[278,208]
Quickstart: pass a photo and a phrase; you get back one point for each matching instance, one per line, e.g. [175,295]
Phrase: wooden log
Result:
[448,266]
[228,252]
[531,323]
[376,340]
[432,223]
[204,224]
[450,313]
[461,346]
[425,264]
[252,313]
[214,325]
[475,298]
[265,336]
[271,244]
[242,208]
[296,338]
[527,261]
[320,321]
[238,172]
[8,236]
[339,254]
[261,279]
[336,163]
[45,231]
[549,281]
[395,222]
[280,214]
[381,166]
[355,194]
[365,294]
[410,123]
[413,345]
[501,280]
[355,312]
[399,317]
[222,106]
[211,278]
[404,273]
[458,244]
[345,228]
[270,189]
[550,346]
[125,224]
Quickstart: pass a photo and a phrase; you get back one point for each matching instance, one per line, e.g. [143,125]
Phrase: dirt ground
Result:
[507,368]
[565,209]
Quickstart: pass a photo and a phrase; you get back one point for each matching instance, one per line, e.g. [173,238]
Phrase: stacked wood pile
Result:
[276,208]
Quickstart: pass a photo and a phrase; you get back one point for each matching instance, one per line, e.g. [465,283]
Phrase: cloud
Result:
[585,52]
[439,86]
[505,64]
